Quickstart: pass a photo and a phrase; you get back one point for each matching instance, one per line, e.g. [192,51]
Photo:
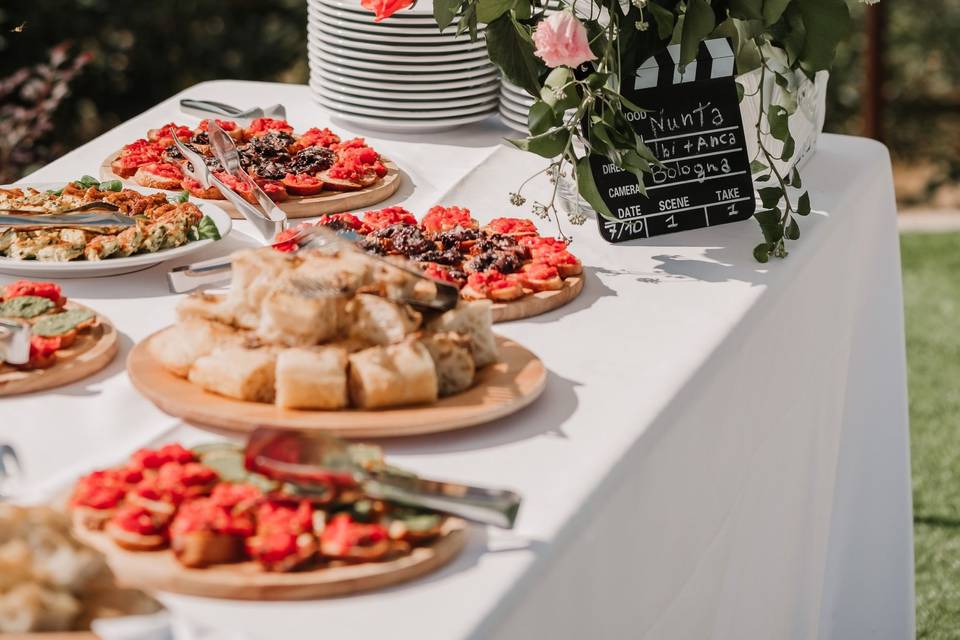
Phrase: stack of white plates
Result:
[515,104]
[401,74]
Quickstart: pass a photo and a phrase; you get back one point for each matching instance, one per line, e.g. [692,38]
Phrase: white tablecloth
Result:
[721,451]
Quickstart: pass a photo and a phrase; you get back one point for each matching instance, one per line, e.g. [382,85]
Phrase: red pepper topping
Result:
[46,290]
[315,137]
[385,217]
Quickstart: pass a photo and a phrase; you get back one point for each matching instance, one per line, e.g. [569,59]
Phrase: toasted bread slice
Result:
[135,541]
[205,548]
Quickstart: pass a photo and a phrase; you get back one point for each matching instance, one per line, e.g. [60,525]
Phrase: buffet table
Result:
[721,450]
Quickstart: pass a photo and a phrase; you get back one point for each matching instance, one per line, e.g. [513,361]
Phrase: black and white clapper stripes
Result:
[692,124]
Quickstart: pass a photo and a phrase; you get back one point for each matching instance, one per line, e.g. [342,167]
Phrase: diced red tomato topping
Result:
[164,135]
[315,137]
[539,271]
[439,272]
[342,534]
[441,218]
[513,226]
[388,216]
[342,220]
[538,244]
[137,520]
[98,490]
[164,170]
[47,290]
[302,184]
[490,280]
[226,125]
[352,143]
[284,240]
[262,125]
[203,514]
[229,495]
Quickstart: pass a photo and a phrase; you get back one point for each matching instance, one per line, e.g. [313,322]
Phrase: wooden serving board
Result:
[302,206]
[91,351]
[160,571]
[500,389]
[537,303]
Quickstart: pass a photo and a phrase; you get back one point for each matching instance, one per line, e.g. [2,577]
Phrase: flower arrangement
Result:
[540,48]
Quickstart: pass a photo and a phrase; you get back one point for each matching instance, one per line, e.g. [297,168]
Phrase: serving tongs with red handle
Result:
[315,459]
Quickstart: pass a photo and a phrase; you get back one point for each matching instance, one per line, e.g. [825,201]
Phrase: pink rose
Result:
[383,9]
[561,41]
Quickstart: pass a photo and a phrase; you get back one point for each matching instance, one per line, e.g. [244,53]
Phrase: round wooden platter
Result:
[540,302]
[303,206]
[160,571]
[91,351]
[500,389]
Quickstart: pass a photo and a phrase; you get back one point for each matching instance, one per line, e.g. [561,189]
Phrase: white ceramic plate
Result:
[394,125]
[396,47]
[341,107]
[426,59]
[362,15]
[321,84]
[327,65]
[516,106]
[517,95]
[381,34]
[512,124]
[392,104]
[325,75]
[114,266]
[518,111]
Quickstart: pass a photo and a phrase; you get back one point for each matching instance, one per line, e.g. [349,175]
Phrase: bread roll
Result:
[343,271]
[296,317]
[474,320]
[451,358]
[312,378]
[397,374]
[179,346]
[205,306]
[236,372]
[380,321]
[256,272]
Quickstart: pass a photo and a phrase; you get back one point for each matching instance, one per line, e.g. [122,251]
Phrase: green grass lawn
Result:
[931,280]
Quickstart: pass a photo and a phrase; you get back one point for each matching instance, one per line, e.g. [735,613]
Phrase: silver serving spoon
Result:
[98,205]
[312,459]
[87,220]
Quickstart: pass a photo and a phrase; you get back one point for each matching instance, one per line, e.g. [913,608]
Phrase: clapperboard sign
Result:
[694,128]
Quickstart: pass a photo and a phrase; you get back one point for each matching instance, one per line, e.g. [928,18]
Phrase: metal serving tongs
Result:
[11,471]
[92,216]
[14,342]
[268,222]
[207,108]
[310,459]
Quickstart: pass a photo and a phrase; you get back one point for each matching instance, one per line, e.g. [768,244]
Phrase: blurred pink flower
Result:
[561,41]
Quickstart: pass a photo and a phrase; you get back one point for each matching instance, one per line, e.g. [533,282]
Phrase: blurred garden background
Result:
[70,70]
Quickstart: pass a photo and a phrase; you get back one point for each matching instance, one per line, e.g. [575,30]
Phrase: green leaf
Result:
[541,118]
[827,23]
[444,11]
[803,204]
[664,18]
[788,148]
[746,9]
[769,220]
[773,9]
[756,167]
[777,118]
[207,229]
[764,177]
[588,188]
[490,10]
[510,48]
[770,196]
[761,252]
[111,185]
[183,196]
[548,144]
[740,92]
[794,34]
[88,181]
[795,181]
[793,230]
[698,22]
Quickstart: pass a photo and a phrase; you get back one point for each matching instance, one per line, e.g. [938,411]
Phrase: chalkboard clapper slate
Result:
[693,126]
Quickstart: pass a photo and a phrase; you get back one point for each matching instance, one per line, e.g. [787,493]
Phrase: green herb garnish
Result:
[207,229]
[183,196]
[87,181]
[111,185]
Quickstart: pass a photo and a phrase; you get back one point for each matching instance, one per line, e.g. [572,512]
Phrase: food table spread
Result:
[720,451]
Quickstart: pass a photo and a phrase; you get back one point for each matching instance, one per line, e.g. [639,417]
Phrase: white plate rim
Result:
[346,29]
[398,46]
[380,73]
[386,29]
[390,105]
[434,124]
[420,9]
[425,60]
[484,89]
[400,87]
[424,20]
[134,262]
[338,106]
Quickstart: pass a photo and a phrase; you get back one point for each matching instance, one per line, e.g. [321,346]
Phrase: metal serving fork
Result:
[207,108]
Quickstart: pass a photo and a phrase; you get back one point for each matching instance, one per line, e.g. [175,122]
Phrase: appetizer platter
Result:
[306,174]
[197,522]
[319,340]
[156,227]
[68,341]
[52,583]
[506,260]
